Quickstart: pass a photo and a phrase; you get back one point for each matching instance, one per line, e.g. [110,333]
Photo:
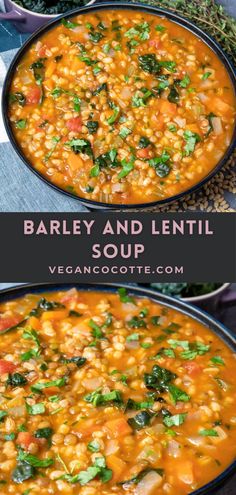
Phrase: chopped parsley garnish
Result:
[17,98]
[125,132]
[127,167]
[206,75]
[16,380]
[3,415]
[92,126]
[55,141]
[99,469]
[177,395]
[137,322]
[218,360]
[208,433]
[21,124]
[35,409]
[124,297]
[94,446]
[176,420]
[116,111]
[185,81]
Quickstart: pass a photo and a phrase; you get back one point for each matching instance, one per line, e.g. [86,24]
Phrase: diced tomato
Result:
[74,124]
[25,439]
[51,391]
[8,321]
[6,366]
[42,51]
[144,153]
[156,43]
[34,95]
[193,368]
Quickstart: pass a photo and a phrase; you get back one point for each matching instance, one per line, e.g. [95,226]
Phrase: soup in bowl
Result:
[106,392]
[122,107]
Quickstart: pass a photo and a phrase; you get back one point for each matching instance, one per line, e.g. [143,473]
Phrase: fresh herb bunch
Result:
[206,14]
[51,7]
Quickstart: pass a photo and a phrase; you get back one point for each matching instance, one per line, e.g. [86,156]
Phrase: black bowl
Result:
[186,23]
[222,332]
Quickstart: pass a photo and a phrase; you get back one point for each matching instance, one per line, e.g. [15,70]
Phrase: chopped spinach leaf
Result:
[98,399]
[22,472]
[124,297]
[208,432]
[46,432]
[16,380]
[159,379]
[92,126]
[81,146]
[141,420]
[94,446]
[177,395]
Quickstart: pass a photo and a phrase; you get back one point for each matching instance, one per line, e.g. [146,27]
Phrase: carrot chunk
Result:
[54,315]
[117,466]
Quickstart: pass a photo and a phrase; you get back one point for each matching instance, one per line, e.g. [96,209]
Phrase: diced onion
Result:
[134,344]
[217,125]
[17,411]
[112,447]
[197,441]
[126,93]
[181,122]
[204,98]
[173,449]
[92,383]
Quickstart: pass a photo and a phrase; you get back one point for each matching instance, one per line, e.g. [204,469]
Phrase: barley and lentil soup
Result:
[122,107]
[106,393]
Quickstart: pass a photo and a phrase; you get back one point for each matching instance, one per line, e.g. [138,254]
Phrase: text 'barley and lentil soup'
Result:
[122,107]
[106,393]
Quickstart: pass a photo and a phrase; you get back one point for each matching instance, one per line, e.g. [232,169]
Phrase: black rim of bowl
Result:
[194,312]
[160,12]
